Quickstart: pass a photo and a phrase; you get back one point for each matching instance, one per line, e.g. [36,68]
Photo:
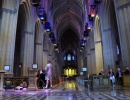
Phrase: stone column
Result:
[98,46]
[39,55]
[122,8]
[39,44]
[7,34]
[88,57]
[92,52]
[109,31]
[45,58]
[59,67]
[50,51]
[54,63]
[45,49]
[79,61]
[28,51]
[85,63]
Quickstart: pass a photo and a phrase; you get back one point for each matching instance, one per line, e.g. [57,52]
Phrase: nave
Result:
[69,90]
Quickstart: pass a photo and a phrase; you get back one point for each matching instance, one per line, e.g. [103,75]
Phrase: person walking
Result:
[48,76]
[112,77]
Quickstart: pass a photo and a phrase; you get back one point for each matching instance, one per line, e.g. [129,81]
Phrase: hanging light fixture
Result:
[47,26]
[93,10]
[83,42]
[56,48]
[97,1]
[51,36]
[87,27]
[41,13]
[86,34]
[35,3]
[90,24]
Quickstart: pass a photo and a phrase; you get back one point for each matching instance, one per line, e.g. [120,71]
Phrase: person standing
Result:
[48,76]
[112,77]
[119,76]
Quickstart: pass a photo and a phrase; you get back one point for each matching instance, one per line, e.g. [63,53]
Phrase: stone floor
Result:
[68,91]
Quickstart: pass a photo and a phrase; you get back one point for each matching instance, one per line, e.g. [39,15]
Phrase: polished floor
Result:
[68,90]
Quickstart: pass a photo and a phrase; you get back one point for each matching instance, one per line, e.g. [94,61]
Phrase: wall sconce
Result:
[20,65]
[35,3]
[86,33]
[81,49]
[93,10]
[47,26]
[83,42]
[87,27]
[41,13]
[56,48]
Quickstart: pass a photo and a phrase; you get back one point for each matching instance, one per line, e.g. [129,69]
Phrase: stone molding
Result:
[38,43]
[8,10]
[26,32]
[92,49]
[98,42]
[109,29]
[123,6]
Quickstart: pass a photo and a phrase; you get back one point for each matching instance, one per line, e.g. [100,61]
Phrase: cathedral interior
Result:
[81,39]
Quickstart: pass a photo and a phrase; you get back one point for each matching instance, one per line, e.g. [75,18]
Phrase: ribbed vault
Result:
[67,14]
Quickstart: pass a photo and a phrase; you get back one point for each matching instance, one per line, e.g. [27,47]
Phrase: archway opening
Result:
[19,42]
[69,45]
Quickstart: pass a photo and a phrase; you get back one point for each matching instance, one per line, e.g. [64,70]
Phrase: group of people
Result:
[46,75]
[118,76]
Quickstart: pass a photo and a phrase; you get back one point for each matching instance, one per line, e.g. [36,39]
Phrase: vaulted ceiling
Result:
[68,18]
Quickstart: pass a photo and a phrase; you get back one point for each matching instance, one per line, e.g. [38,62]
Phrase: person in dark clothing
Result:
[127,71]
[119,75]
[41,79]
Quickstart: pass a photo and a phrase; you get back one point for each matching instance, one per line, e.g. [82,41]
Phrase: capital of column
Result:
[38,43]
[27,32]
[92,49]
[8,10]
[123,6]
[98,42]
[45,50]
[88,54]
[109,29]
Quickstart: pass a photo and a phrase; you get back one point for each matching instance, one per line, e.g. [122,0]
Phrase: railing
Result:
[94,81]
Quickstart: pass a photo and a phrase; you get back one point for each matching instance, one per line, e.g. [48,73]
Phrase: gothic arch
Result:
[24,36]
[38,44]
